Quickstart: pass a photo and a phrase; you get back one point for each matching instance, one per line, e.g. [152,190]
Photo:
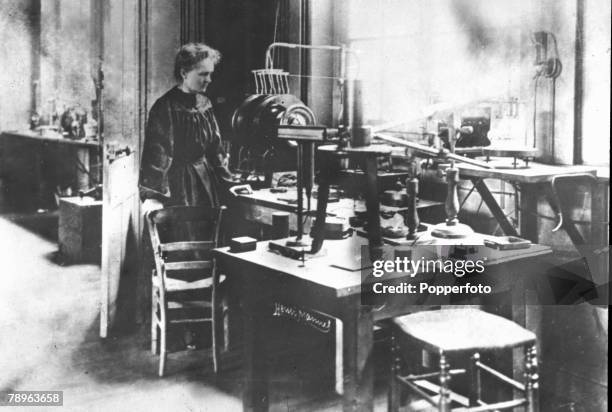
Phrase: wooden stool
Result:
[460,331]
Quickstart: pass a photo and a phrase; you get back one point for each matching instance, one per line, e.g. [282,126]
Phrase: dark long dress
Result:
[182,158]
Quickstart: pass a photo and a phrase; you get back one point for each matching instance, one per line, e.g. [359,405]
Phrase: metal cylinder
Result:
[254,122]
[359,136]
[280,225]
[362,136]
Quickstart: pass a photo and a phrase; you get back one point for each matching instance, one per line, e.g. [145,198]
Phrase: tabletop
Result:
[535,173]
[337,268]
[344,207]
[51,137]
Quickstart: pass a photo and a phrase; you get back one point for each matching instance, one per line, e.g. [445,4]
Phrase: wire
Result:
[275,30]
[535,110]
[312,76]
[553,110]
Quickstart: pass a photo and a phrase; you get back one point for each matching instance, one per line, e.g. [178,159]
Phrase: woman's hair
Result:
[190,54]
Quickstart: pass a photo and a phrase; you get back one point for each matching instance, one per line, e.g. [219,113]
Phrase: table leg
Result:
[529,212]
[255,396]
[41,182]
[358,367]
[373,208]
[494,207]
[82,168]
[600,237]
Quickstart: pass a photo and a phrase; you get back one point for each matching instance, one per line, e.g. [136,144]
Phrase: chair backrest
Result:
[182,238]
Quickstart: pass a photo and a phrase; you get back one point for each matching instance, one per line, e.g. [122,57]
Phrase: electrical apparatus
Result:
[254,126]
[283,120]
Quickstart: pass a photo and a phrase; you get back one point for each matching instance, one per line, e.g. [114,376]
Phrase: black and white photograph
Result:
[304,205]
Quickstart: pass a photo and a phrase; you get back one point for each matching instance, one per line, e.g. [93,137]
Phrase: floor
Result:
[49,340]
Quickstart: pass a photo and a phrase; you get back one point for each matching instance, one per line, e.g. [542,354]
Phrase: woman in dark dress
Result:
[183,160]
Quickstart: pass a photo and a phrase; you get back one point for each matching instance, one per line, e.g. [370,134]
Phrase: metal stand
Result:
[367,156]
[299,242]
[452,229]
[411,218]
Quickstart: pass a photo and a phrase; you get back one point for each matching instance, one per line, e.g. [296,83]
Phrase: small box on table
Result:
[243,244]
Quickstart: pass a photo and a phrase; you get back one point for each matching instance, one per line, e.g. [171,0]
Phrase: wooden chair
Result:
[449,332]
[185,282]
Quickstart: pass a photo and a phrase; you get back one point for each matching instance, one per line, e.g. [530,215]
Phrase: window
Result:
[596,94]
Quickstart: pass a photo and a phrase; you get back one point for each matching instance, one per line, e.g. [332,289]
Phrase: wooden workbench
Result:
[261,279]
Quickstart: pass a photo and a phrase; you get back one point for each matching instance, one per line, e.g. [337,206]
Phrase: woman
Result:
[183,160]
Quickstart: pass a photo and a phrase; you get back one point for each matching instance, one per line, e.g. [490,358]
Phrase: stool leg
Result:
[445,403]
[393,401]
[531,379]
[475,382]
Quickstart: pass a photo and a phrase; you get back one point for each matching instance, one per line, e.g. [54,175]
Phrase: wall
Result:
[558,18]
[17,62]
[65,56]
[163,40]
[324,92]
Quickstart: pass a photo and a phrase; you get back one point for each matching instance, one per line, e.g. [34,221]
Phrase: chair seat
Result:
[178,285]
[463,329]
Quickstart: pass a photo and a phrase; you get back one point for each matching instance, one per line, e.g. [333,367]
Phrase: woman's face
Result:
[197,79]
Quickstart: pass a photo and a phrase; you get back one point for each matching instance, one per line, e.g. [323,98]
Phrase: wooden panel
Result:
[120,234]
[122,127]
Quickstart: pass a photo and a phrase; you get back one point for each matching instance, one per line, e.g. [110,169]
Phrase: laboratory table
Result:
[532,182]
[259,279]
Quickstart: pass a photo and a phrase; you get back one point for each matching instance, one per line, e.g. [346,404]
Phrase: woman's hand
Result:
[151,204]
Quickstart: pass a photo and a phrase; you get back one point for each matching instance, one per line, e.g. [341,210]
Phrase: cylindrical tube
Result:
[280,225]
[357,113]
[361,136]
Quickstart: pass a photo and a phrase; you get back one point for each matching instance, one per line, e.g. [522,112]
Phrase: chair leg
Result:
[475,381]
[162,350]
[215,323]
[220,334]
[154,337]
[444,404]
[154,325]
[531,379]
[393,400]
[225,318]
[215,344]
